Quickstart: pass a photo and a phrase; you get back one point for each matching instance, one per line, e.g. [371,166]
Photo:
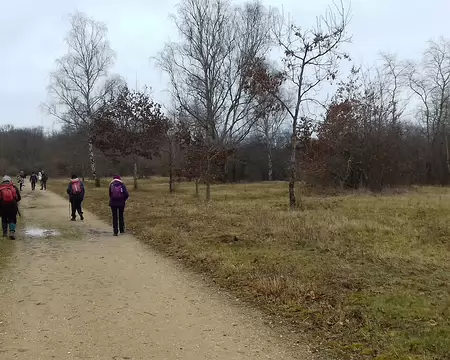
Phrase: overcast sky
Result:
[32,36]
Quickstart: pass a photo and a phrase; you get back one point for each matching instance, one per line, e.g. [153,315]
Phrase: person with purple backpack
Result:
[118,195]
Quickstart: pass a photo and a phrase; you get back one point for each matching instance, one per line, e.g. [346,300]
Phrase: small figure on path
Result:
[21,180]
[33,180]
[9,198]
[75,190]
[44,179]
[118,195]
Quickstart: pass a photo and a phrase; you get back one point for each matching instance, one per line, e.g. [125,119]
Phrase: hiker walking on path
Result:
[118,195]
[21,180]
[33,180]
[75,190]
[44,178]
[9,198]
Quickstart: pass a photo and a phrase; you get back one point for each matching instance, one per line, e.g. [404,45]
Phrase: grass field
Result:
[363,276]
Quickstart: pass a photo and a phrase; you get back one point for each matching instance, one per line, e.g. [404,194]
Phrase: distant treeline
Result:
[368,155]
[62,153]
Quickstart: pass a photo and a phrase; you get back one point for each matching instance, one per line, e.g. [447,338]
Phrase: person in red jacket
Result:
[118,195]
[9,208]
[75,190]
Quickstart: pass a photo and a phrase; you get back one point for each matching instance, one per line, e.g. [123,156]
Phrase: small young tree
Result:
[311,57]
[130,124]
[195,162]
[171,144]
[175,142]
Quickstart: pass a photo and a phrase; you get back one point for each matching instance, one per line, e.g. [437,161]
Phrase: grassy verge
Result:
[363,276]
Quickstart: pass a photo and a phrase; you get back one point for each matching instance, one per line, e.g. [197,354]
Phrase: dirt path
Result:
[85,294]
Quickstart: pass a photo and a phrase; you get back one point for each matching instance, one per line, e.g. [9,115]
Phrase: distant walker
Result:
[118,195]
[75,190]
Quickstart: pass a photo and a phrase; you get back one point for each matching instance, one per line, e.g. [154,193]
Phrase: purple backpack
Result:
[116,192]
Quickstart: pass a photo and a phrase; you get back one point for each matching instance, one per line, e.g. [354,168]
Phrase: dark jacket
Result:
[13,207]
[44,177]
[118,202]
[34,178]
[69,189]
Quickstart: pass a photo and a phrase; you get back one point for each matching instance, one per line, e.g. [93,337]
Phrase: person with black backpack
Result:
[118,195]
[33,180]
[44,179]
[75,190]
[21,180]
[9,199]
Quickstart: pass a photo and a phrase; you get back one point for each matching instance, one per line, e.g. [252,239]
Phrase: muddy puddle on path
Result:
[35,232]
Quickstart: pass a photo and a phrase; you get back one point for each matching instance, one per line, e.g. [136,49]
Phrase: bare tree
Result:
[79,85]
[311,57]
[269,127]
[263,83]
[430,82]
[392,83]
[207,69]
[173,144]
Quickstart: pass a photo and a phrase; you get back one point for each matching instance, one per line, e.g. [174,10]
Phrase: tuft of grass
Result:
[364,276]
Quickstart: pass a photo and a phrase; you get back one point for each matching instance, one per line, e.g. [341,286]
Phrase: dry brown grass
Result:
[366,276]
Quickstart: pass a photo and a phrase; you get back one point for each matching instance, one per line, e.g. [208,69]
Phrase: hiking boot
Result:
[81,217]
[73,218]
[12,236]
[116,234]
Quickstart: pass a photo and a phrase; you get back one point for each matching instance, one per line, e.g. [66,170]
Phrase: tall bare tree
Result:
[311,57]
[207,69]
[80,83]
[430,82]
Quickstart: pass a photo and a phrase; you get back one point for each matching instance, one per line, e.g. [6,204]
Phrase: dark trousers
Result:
[33,185]
[76,206]
[118,220]
[9,217]
[43,185]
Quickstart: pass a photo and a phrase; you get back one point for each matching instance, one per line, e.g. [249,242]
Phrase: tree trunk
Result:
[269,162]
[114,162]
[292,171]
[92,161]
[196,188]
[208,179]
[171,184]
[225,170]
[171,162]
[135,175]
